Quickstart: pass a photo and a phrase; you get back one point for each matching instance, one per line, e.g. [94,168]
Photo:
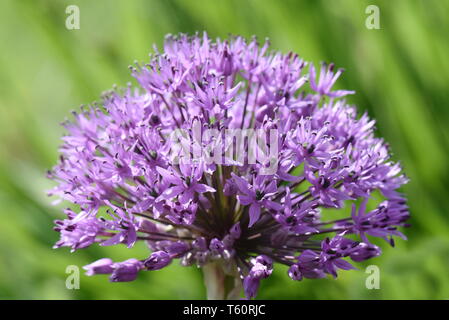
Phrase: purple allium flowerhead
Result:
[228,153]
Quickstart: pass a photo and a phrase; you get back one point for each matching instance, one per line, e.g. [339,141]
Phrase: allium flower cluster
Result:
[209,197]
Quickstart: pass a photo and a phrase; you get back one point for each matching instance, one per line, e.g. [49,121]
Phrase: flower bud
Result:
[125,271]
[157,260]
[102,266]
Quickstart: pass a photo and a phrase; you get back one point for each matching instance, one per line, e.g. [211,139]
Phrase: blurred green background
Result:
[400,73]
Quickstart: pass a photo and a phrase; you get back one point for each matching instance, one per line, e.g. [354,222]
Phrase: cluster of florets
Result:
[121,168]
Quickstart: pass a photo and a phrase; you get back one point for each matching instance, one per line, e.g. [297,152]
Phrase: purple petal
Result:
[254,214]
[202,188]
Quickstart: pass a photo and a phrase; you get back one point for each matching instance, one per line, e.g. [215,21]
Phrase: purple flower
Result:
[157,260]
[236,231]
[185,185]
[331,255]
[102,266]
[381,222]
[216,246]
[251,286]
[296,218]
[256,195]
[179,213]
[311,145]
[308,265]
[327,78]
[365,251]
[261,269]
[125,271]
[79,231]
[124,224]
[225,155]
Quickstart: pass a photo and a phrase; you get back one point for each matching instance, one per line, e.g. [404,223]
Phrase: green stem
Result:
[221,285]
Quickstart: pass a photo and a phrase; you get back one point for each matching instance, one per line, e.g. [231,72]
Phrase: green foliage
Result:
[399,73]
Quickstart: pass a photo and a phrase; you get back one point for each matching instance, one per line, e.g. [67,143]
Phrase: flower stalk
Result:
[221,285]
